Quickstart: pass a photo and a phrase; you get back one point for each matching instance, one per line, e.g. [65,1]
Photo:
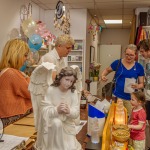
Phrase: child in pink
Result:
[138,121]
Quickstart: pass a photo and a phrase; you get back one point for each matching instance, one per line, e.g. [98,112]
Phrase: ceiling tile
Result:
[114,26]
[113,5]
[103,9]
[128,17]
[112,17]
[126,21]
[108,1]
[81,5]
[128,11]
[79,1]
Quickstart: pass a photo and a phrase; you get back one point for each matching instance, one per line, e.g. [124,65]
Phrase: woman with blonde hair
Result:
[14,95]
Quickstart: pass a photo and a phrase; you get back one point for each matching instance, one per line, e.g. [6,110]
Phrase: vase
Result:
[91,78]
[95,78]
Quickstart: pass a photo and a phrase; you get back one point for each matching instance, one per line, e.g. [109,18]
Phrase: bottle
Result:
[95,131]
[83,101]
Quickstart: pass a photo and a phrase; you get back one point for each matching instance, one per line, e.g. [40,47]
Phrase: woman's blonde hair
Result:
[132,47]
[13,54]
[64,39]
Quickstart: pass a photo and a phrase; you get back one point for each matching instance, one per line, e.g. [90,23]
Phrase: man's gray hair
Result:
[64,39]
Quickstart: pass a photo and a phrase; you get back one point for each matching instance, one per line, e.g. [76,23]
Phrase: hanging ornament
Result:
[62,18]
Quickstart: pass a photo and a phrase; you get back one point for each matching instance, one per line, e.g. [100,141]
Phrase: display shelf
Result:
[75,57]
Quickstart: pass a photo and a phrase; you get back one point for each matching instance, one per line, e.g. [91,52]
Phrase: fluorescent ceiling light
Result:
[113,21]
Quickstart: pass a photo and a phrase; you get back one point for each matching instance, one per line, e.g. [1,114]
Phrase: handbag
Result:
[108,88]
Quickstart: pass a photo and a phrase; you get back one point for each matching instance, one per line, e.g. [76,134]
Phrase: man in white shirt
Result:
[63,45]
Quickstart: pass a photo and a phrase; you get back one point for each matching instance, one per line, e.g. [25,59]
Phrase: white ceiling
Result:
[103,9]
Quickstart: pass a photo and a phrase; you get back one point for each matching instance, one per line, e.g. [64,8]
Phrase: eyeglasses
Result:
[129,55]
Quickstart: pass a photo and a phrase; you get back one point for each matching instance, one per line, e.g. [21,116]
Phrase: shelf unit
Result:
[75,57]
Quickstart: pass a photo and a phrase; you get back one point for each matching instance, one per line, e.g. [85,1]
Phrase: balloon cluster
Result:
[36,33]
[45,33]
[29,27]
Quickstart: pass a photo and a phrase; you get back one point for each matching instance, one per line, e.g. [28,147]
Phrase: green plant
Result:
[94,69]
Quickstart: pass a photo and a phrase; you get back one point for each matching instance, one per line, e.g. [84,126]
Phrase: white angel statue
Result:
[40,80]
[78,86]
[56,107]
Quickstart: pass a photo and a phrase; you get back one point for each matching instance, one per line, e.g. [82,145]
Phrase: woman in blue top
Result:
[128,72]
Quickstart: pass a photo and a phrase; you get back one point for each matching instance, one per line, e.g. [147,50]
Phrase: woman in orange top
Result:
[15,100]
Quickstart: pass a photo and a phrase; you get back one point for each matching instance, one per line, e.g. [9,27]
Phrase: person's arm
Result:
[140,83]
[19,83]
[105,73]
[136,127]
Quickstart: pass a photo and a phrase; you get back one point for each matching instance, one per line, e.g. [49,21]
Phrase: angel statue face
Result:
[66,82]
[65,79]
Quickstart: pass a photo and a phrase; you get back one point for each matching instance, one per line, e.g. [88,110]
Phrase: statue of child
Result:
[59,109]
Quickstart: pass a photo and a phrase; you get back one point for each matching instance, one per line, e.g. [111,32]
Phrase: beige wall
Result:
[10,18]
[115,37]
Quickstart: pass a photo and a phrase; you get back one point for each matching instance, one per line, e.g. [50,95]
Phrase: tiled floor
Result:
[147,138]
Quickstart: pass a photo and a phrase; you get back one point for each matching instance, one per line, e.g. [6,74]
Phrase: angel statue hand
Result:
[61,108]
[66,109]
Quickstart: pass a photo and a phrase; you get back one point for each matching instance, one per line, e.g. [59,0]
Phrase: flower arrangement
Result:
[94,69]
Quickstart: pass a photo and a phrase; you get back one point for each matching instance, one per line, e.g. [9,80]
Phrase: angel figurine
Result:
[57,109]
[78,86]
[40,79]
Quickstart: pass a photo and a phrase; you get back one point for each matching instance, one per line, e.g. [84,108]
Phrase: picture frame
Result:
[92,54]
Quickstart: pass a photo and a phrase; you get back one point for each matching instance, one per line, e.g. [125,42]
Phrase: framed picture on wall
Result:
[92,54]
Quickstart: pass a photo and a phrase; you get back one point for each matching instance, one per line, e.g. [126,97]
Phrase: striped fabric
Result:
[10,120]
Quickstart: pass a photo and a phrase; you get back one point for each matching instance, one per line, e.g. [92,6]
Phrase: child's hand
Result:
[130,126]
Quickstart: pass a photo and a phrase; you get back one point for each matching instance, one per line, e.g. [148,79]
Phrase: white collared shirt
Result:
[53,57]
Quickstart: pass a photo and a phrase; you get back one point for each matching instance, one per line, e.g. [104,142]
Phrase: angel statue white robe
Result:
[57,131]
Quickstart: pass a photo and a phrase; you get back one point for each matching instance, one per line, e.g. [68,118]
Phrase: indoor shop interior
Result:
[75,75]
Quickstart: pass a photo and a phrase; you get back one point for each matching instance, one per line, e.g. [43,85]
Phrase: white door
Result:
[108,53]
